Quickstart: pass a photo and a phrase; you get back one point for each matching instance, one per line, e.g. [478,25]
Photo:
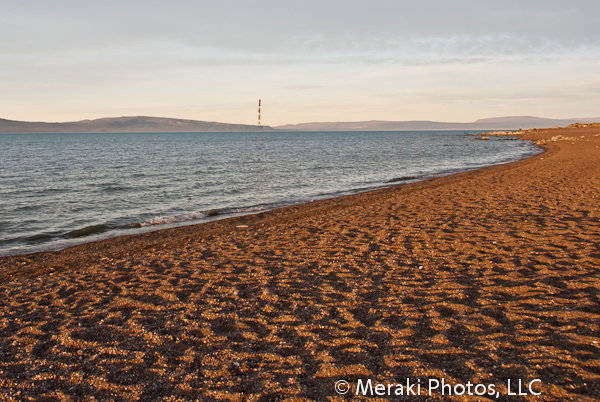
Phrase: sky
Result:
[324,60]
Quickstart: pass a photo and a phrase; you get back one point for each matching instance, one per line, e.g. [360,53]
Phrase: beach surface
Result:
[481,277]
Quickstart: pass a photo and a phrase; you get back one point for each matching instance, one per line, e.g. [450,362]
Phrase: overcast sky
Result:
[324,60]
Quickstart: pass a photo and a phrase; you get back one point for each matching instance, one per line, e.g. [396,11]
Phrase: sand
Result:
[480,277]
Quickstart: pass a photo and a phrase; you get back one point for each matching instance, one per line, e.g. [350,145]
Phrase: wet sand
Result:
[483,277]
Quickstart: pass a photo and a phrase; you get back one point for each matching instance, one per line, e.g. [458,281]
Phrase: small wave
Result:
[31,208]
[249,209]
[115,188]
[53,190]
[131,226]
[86,231]
[39,237]
[403,178]
[162,220]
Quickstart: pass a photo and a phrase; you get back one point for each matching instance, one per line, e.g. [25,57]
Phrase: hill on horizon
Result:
[145,124]
[125,124]
[493,123]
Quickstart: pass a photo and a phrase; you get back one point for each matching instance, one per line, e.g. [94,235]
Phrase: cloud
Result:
[122,53]
[304,87]
[274,26]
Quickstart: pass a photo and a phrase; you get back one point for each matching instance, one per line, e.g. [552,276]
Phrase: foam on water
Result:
[162,220]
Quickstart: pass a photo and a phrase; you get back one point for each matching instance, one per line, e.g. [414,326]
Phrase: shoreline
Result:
[21,265]
[479,277]
[103,223]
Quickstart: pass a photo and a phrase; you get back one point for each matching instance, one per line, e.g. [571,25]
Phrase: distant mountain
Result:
[139,124]
[496,123]
[143,124]
[535,121]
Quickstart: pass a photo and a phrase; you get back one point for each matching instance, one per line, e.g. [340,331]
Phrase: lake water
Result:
[58,190]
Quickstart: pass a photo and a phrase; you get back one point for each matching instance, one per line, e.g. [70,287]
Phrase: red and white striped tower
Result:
[259,112]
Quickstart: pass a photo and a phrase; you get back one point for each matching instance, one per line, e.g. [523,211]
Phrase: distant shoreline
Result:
[134,124]
[145,124]
[502,123]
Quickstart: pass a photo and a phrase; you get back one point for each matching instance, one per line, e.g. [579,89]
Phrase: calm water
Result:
[57,190]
